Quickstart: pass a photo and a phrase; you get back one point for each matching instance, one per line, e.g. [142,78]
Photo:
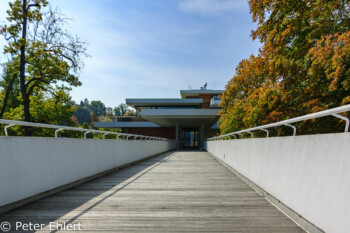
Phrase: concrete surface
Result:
[32,165]
[308,174]
[172,192]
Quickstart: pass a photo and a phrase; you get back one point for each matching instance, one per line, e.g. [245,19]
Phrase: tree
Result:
[86,126]
[121,109]
[20,14]
[109,111]
[289,30]
[85,103]
[82,115]
[302,67]
[331,57]
[10,85]
[47,53]
[129,113]
[45,109]
[83,112]
[98,108]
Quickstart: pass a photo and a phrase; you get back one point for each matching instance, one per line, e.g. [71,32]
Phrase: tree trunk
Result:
[7,93]
[22,70]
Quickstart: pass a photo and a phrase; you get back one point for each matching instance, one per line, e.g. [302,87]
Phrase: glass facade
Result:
[216,97]
[189,138]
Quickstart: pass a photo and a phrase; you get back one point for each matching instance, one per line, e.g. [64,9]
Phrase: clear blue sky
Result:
[154,48]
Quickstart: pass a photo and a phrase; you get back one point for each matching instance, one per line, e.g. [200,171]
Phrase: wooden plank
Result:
[173,192]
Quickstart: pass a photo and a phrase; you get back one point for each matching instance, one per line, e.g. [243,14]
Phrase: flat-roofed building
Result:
[188,120]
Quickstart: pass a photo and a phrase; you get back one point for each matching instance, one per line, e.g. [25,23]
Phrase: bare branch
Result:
[31,5]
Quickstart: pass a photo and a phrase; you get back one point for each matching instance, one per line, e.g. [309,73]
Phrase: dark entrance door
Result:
[189,138]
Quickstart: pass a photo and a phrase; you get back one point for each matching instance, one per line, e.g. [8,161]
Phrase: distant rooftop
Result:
[197,92]
[188,98]
[162,102]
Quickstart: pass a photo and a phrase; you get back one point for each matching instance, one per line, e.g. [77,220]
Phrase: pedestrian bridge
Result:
[183,191]
[141,184]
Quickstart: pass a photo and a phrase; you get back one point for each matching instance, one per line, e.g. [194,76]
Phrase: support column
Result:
[201,136]
[177,135]
[180,137]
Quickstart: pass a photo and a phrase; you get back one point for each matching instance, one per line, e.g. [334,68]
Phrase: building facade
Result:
[188,120]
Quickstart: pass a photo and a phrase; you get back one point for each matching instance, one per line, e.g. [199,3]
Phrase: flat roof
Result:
[162,102]
[187,117]
[196,92]
[131,124]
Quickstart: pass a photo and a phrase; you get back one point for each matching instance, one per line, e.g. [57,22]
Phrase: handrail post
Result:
[86,133]
[294,128]
[8,126]
[104,135]
[240,135]
[343,118]
[267,132]
[56,131]
[251,134]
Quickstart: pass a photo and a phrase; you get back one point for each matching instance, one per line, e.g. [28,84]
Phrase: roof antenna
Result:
[205,85]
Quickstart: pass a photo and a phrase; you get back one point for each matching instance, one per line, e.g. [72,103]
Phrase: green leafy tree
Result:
[129,113]
[82,115]
[86,126]
[47,53]
[98,108]
[20,14]
[45,109]
[109,111]
[120,110]
[10,84]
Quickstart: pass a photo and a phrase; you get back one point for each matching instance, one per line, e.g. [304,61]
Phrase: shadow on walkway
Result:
[54,207]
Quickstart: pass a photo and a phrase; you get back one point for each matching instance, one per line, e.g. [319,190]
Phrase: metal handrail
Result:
[58,128]
[330,112]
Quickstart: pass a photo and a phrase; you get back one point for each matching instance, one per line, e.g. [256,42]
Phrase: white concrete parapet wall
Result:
[33,165]
[308,174]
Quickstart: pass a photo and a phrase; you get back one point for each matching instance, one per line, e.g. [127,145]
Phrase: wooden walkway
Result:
[173,192]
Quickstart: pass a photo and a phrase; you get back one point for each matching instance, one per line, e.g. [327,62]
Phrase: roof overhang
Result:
[162,102]
[186,117]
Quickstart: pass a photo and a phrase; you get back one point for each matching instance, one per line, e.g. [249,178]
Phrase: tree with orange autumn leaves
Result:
[302,67]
